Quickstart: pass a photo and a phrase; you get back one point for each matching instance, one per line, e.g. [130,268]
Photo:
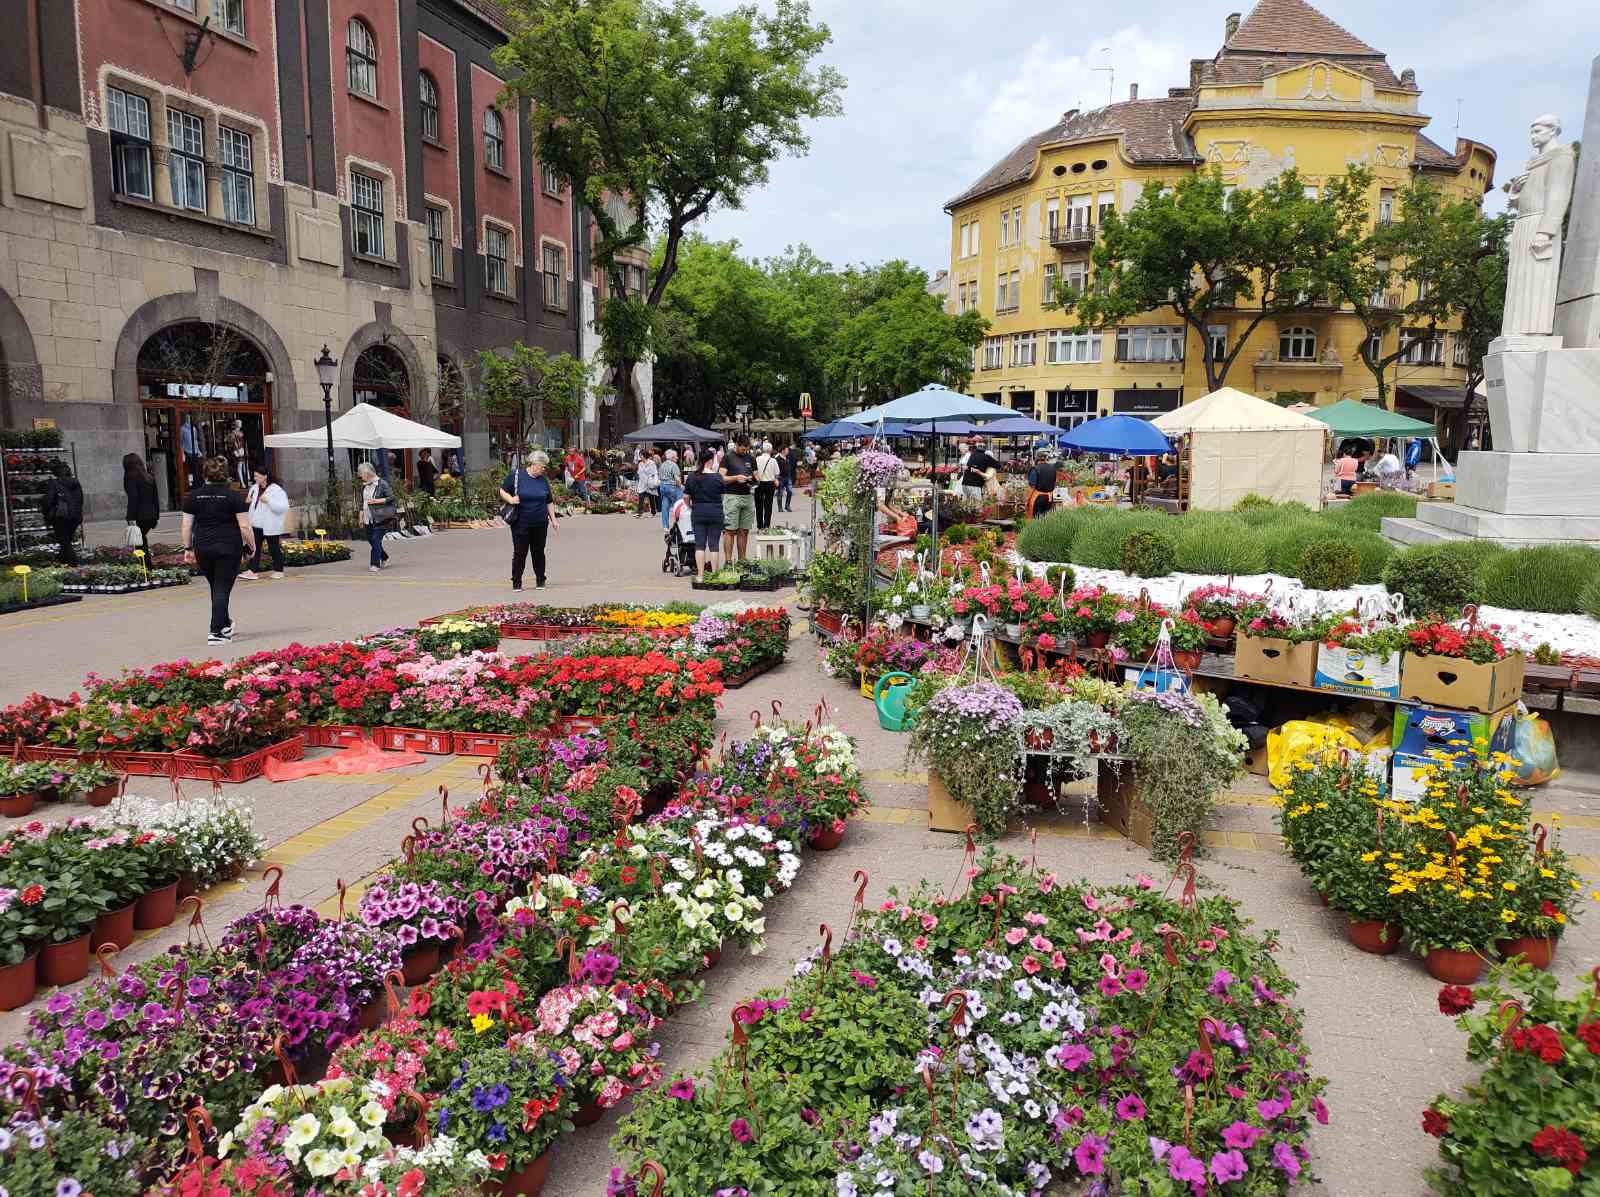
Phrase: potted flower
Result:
[1221,607]
[163,864]
[216,835]
[1467,668]
[92,781]
[602,1041]
[122,868]
[507,1102]
[21,932]
[1184,753]
[1547,898]
[21,783]
[970,738]
[74,1154]
[423,917]
[1092,614]
[1355,879]
[1138,636]
[308,1134]
[70,901]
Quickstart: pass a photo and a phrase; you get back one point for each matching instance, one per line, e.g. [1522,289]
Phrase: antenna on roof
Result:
[1458,116]
[1111,84]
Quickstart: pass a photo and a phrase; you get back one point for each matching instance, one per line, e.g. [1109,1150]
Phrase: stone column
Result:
[1578,293]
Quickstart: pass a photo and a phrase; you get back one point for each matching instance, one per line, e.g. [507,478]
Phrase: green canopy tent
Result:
[1351,417]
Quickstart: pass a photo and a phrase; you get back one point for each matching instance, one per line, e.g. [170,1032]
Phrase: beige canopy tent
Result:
[1239,445]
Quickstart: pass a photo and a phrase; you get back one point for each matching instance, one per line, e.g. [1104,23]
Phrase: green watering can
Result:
[889,696]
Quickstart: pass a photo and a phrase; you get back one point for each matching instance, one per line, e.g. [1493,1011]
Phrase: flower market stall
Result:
[1239,445]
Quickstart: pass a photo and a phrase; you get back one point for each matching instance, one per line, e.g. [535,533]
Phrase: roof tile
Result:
[1294,26]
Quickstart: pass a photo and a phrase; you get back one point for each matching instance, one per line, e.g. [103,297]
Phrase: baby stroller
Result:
[680,553]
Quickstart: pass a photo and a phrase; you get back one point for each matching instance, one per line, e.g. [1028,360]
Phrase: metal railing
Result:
[1070,236]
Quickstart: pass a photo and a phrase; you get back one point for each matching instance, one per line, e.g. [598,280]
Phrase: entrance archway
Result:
[382,379]
[204,390]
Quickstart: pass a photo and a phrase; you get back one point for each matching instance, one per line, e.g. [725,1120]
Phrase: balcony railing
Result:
[1070,236]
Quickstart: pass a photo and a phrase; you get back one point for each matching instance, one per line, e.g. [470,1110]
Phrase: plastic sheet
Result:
[1303,739]
[361,757]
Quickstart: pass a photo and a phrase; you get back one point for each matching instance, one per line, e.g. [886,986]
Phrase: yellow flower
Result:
[1508,916]
[1548,874]
[1560,918]
[1509,886]
[481,1023]
[1368,857]
[1466,895]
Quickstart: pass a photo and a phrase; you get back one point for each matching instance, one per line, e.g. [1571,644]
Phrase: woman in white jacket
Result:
[269,504]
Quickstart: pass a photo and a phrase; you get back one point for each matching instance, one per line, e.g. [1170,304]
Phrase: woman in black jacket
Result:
[144,505]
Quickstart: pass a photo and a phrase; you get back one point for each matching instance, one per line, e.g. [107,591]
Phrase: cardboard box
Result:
[1419,730]
[1255,761]
[1120,805]
[1463,685]
[1350,671]
[1445,491]
[944,812]
[1269,659]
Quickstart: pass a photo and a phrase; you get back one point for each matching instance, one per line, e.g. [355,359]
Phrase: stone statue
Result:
[1539,198]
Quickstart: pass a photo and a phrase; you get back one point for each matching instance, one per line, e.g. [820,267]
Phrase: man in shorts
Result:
[738,499]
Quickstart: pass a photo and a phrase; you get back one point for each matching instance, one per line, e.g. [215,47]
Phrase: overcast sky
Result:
[939,90]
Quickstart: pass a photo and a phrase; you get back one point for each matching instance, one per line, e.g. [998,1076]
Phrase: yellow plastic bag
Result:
[1302,739]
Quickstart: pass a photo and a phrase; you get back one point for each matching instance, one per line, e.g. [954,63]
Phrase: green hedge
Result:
[1216,543]
[1551,578]
[1368,511]
[1050,538]
[1439,579]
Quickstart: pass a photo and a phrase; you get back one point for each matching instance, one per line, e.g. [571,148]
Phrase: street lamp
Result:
[327,375]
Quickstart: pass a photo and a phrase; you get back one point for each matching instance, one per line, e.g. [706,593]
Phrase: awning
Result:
[1443,398]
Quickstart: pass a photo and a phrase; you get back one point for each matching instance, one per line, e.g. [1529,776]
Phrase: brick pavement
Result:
[1372,1026]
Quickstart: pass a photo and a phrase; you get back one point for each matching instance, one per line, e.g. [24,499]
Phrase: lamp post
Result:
[327,375]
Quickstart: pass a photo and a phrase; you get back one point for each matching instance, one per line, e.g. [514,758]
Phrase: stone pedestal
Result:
[1543,400]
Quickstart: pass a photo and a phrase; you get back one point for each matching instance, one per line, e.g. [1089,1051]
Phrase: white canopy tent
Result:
[366,426]
[1240,445]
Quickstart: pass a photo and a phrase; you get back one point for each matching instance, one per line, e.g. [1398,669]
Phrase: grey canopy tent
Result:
[674,430]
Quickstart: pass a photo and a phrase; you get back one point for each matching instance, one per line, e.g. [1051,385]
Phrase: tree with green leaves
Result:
[532,388]
[1207,251]
[896,338]
[656,113]
[1437,260]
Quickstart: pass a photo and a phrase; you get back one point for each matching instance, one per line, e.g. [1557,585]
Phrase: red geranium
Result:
[1435,1123]
[1589,1032]
[1541,1041]
[1560,1146]
[1455,999]
[31,895]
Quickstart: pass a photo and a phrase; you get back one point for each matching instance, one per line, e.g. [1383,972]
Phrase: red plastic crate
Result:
[414,739]
[477,743]
[239,769]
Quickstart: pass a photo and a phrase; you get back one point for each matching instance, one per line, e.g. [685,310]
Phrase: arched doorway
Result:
[452,392]
[204,390]
[381,379]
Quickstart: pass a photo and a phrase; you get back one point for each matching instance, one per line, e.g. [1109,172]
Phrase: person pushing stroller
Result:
[679,559]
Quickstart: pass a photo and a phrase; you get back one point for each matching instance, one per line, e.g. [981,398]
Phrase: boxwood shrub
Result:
[1436,579]
[1329,565]
[1147,553]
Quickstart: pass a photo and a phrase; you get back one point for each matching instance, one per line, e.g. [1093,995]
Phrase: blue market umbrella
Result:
[933,402]
[1020,426]
[941,428]
[1127,435]
[838,430]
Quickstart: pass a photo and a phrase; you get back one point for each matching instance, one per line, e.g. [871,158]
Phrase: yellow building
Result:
[1289,88]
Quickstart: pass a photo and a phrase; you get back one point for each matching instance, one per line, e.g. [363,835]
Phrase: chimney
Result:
[1408,78]
[1230,27]
[1133,91]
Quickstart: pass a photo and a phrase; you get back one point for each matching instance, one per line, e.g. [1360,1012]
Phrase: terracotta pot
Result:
[370,1017]
[1372,936]
[401,1134]
[1453,967]
[14,806]
[1039,793]
[826,839]
[113,926]
[1040,738]
[19,982]
[1322,897]
[1187,660]
[588,1114]
[1097,639]
[156,909]
[420,963]
[101,795]
[64,963]
[528,1182]
[712,957]
[1534,950]
[1223,628]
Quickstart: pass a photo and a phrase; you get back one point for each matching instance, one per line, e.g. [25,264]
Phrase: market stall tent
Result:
[1351,417]
[1240,445]
[367,426]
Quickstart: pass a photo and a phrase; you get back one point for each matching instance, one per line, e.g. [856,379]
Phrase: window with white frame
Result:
[977,231]
[1421,346]
[1380,267]
[1461,350]
[236,153]
[1386,206]
[185,5]
[555,277]
[1047,292]
[497,259]
[438,223]
[1074,275]
[494,139]
[1309,191]
[366,214]
[229,14]
[361,58]
[1016,225]
[129,117]
[186,149]
[549,180]
[1052,216]
[966,240]
[993,352]
[1024,349]
[1217,337]
[428,103]
[1108,203]
[1375,347]
[1065,348]
[1005,227]
[1079,211]
[1297,344]
[1150,343]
